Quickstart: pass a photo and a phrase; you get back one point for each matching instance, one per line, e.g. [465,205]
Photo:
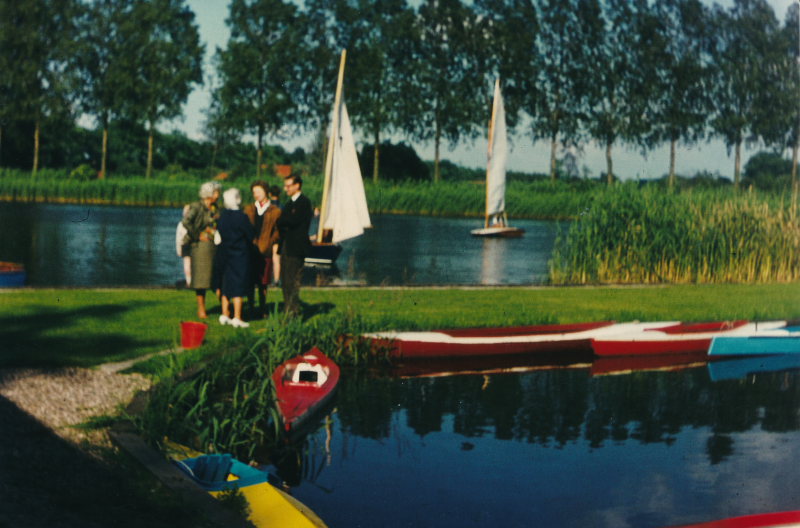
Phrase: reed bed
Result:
[632,235]
[230,406]
[535,200]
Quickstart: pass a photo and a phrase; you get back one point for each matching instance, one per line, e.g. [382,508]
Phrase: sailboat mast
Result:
[323,209]
[489,152]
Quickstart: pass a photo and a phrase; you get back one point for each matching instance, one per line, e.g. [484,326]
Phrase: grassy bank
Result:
[87,327]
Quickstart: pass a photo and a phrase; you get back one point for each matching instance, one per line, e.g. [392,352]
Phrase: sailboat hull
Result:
[498,232]
[323,254]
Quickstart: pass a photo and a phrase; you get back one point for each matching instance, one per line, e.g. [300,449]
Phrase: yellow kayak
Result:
[269,507]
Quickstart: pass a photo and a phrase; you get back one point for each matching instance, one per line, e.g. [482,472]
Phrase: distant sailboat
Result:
[343,213]
[495,222]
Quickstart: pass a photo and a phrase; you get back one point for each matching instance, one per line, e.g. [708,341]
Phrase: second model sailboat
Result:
[495,222]
[343,212]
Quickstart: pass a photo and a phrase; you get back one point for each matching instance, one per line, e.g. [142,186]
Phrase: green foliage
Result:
[234,500]
[767,171]
[396,163]
[644,236]
[82,173]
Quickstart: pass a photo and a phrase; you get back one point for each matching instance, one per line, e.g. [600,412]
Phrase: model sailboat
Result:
[343,213]
[495,223]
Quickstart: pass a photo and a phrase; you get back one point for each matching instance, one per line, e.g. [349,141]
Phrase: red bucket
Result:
[192,334]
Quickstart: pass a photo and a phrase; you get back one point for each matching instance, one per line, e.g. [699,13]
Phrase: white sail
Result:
[498,153]
[346,211]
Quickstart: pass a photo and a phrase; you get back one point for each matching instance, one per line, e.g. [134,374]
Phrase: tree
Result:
[218,128]
[778,107]
[259,71]
[447,99]
[615,99]
[105,70]
[743,38]
[162,40]
[37,39]
[328,26]
[378,63]
[675,62]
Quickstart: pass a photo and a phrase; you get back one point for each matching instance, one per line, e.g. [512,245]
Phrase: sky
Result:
[524,155]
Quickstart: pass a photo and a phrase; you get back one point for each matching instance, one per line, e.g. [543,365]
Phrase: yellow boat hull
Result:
[269,507]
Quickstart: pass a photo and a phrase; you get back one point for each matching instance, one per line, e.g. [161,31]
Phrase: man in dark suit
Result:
[293,227]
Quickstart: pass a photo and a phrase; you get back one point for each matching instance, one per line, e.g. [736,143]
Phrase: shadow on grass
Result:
[28,340]
[49,482]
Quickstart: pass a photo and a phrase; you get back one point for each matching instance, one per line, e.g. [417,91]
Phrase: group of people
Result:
[235,252]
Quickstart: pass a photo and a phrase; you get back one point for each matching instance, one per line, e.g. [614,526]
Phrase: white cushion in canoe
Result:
[305,367]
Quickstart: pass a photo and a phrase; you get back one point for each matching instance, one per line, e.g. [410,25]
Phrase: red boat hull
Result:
[675,339]
[297,401]
[490,341]
[761,520]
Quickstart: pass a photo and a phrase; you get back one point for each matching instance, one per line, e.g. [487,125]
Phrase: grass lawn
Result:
[89,327]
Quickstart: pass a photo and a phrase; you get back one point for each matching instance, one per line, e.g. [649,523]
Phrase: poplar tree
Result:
[37,42]
[676,72]
[448,96]
[259,70]
[162,40]
[557,79]
[614,102]
[743,38]
[105,70]
[378,66]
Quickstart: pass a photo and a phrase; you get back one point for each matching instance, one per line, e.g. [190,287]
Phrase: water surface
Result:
[552,448]
[90,245]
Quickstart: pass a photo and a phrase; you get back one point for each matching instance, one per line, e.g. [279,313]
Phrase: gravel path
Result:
[59,398]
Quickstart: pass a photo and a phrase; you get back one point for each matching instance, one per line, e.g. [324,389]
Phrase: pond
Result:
[555,446]
[90,245]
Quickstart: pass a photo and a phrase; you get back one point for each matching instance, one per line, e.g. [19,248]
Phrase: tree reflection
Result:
[556,407]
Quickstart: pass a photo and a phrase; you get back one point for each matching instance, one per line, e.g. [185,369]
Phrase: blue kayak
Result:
[789,343]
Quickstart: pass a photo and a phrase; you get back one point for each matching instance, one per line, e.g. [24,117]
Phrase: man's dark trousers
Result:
[291,271]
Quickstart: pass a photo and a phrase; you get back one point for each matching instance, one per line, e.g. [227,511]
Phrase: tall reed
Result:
[230,406]
[635,235]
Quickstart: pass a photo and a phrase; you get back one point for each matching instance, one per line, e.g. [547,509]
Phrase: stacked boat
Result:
[605,339]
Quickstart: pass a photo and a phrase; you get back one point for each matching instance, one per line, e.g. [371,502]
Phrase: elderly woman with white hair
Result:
[233,258]
[200,224]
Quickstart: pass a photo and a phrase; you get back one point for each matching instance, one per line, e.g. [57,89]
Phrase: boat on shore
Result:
[267,505]
[303,385]
[12,275]
[495,221]
[343,213]
[771,342]
[680,338]
[501,341]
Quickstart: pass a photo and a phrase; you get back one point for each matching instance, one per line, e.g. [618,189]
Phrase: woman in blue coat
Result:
[233,258]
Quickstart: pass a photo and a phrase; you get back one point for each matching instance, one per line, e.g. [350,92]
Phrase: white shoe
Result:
[238,323]
[223,319]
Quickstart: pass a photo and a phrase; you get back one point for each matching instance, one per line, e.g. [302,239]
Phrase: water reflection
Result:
[552,447]
[79,245]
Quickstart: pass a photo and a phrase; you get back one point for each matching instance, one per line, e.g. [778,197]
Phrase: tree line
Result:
[609,71]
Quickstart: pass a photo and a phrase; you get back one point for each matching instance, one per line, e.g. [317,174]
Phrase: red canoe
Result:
[677,338]
[501,341]
[302,385]
[761,520]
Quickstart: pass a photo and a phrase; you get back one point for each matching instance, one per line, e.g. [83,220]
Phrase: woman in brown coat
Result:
[262,215]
